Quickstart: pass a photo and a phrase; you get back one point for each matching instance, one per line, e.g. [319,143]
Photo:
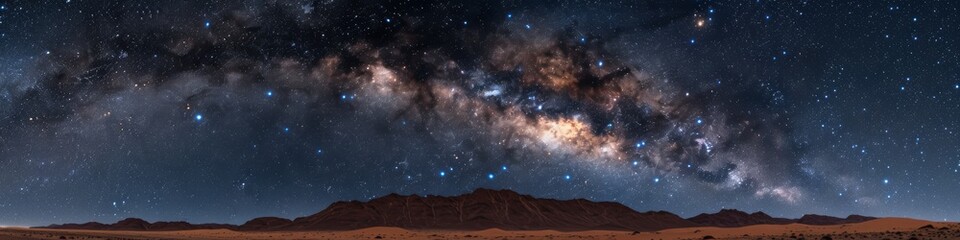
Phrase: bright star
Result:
[490,176]
[442,173]
[269,93]
[198,117]
[567,177]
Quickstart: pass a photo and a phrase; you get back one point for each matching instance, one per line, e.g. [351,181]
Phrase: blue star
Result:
[528,26]
[388,20]
[442,173]
[198,117]
[635,163]
[641,144]
[509,15]
[286,129]
[269,93]
[600,63]
[693,41]
[504,167]
[886,181]
[489,175]
[699,121]
[956,86]
[656,180]
[206,24]
[567,177]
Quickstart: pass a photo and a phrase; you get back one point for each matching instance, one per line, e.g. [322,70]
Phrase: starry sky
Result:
[224,111]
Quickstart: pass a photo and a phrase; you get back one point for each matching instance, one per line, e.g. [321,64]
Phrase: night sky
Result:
[225,111]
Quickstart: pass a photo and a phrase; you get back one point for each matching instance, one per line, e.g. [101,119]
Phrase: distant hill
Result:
[480,209]
[736,218]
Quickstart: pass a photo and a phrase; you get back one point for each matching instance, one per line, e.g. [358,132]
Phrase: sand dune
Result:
[891,228]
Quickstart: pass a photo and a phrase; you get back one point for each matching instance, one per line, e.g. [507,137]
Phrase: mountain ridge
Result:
[478,210]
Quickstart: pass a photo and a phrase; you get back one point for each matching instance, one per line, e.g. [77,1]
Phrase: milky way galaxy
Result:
[220,112]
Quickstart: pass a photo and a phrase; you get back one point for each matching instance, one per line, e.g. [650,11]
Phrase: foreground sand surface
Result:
[886,228]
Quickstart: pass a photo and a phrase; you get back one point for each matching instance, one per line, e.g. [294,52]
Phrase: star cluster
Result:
[223,112]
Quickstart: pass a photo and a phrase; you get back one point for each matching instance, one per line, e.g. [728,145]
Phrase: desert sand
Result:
[885,228]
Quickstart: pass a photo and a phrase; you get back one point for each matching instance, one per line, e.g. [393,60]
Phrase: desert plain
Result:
[884,228]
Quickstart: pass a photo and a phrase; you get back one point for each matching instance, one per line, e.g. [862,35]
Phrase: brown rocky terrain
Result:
[479,210]
[483,209]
